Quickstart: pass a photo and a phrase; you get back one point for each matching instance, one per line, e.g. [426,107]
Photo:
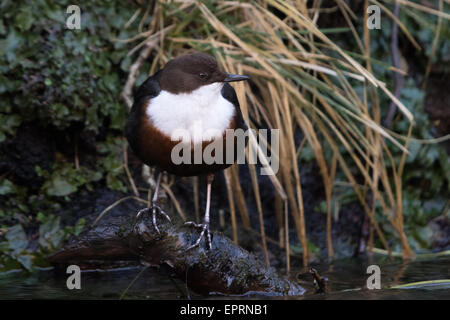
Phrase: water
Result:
[346,280]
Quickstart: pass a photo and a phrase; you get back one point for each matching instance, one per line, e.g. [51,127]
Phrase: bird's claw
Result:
[155,209]
[204,230]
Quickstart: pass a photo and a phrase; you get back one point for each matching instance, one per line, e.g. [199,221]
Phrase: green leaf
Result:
[9,45]
[2,28]
[79,226]
[26,261]
[24,19]
[50,234]
[8,263]
[6,187]
[60,187]
[17,238]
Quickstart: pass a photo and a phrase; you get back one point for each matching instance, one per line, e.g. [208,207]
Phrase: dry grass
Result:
[304,81]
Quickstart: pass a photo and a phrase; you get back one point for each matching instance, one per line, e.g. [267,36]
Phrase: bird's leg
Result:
[154,207]
[205,225]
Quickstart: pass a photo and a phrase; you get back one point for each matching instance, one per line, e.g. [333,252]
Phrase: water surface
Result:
[346,280]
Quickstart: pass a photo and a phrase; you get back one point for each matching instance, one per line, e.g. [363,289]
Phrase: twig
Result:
[133,17]
[132,282]
[115,204]
[196,205]
[158,35]
[433,48]
[286,234]
[396,63]
[145,53]
[227,176]
[127,170]
[77,160]
[174,200]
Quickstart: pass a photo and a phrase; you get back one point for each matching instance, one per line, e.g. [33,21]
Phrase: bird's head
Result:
[190,72]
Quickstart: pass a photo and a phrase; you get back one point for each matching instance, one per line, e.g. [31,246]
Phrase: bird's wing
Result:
[148,89]
[229,94]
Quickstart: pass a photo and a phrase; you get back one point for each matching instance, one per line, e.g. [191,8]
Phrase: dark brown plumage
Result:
[179,78]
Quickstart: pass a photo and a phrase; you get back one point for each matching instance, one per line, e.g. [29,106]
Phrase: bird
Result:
[193,94]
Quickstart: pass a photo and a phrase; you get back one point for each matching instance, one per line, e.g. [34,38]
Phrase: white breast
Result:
[203,114]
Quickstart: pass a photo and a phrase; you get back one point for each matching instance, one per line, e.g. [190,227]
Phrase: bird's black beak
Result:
[235,77]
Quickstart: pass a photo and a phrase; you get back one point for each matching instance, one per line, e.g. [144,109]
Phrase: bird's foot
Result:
[155,209]
[204,227]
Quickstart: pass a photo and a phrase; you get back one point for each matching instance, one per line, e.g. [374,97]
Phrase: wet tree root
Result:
[225,269]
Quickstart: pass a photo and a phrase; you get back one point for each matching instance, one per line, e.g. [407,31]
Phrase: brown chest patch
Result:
[155,149]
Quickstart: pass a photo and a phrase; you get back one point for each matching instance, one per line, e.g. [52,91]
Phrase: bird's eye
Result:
[202,75]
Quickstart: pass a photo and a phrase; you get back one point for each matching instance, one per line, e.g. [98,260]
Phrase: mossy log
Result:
[224,269]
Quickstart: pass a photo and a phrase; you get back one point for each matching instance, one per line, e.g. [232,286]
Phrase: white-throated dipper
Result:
[191,95]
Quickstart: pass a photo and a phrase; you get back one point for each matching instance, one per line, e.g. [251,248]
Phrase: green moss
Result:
[69,82]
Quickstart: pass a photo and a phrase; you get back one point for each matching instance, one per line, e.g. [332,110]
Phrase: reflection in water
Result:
[346,280]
